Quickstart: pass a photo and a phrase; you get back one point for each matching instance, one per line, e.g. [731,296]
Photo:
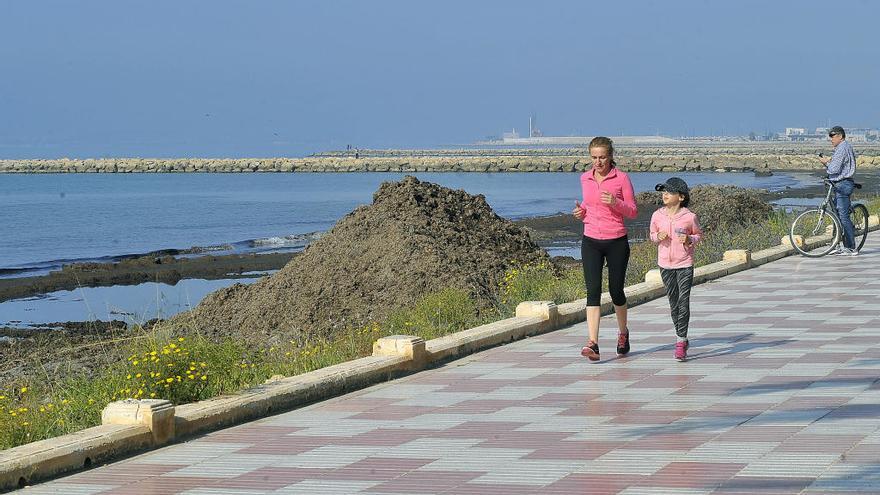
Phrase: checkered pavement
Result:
[780,395]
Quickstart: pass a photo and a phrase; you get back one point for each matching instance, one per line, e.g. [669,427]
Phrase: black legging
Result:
[594,253]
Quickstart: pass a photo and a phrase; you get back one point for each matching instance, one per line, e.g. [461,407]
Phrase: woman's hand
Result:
[662,235]
[607,198]
[579,212]
[684,239]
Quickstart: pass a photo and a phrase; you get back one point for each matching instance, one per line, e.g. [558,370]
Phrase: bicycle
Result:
[817,231]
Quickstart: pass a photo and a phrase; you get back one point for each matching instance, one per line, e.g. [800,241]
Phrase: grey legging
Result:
[678,284]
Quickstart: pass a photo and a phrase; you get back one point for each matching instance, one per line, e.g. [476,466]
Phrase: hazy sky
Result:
[288,78]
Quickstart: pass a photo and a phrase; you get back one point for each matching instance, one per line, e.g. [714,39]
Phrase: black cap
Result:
[836,130]
[673,185]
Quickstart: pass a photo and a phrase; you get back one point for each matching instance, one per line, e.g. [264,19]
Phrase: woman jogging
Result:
[607,199]
[676,231]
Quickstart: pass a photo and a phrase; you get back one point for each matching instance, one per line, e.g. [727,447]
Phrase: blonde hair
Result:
[603,142]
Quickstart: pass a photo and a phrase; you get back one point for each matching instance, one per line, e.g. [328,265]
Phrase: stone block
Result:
[738,255]
[873,220]
[155,414]
[653,276]
[546,310]
[408,346]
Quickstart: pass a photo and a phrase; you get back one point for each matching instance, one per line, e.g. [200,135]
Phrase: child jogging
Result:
[676,231]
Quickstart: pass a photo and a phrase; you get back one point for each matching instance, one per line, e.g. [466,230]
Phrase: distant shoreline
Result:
[761,159]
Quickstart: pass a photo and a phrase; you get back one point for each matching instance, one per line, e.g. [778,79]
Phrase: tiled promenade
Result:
[780,395]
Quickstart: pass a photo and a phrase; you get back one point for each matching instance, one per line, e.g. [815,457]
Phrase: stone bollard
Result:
[653,276]
[739,256]
[155,414]
[408,346]
[545,310]
[873,220]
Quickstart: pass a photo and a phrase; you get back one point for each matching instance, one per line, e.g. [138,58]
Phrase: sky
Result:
[262,78]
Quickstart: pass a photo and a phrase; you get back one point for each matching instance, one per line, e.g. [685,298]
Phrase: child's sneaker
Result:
[623,343]
[681,348]
[591,351]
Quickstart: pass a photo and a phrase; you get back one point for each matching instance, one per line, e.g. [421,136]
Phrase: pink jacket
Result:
[603,221]
[670,252]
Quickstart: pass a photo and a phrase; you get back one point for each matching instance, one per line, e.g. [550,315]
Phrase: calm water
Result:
[49,219]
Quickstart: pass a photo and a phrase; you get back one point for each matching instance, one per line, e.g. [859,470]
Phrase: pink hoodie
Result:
[670,252]
[602,221]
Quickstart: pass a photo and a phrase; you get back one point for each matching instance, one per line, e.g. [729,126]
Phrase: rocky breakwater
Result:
[669,159]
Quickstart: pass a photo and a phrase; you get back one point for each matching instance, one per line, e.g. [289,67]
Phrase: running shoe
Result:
[623,343]
[681,348]
[591,351]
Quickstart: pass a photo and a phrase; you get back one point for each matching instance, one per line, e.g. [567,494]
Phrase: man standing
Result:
[840,168]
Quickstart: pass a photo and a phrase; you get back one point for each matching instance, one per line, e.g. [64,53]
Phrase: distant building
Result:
[533,127]
[510,135]
[795,131]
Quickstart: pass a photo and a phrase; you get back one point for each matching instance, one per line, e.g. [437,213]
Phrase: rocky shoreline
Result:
[758,159]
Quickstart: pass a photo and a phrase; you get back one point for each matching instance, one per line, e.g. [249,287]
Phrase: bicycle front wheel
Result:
[815,233]
[859,216]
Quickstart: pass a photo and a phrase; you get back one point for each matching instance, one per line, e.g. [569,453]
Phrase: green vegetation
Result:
[174,364]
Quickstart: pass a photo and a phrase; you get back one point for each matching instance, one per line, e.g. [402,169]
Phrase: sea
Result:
[47,220]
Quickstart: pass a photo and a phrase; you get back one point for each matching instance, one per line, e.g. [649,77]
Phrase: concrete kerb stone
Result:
[21,466]
[393,356]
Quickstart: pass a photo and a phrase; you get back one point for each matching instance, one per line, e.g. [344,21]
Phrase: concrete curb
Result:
[133,426]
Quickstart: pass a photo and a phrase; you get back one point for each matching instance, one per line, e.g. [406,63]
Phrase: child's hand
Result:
[662,235]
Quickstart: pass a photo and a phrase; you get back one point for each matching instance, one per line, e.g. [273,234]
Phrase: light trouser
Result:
[678,282]
[843,191]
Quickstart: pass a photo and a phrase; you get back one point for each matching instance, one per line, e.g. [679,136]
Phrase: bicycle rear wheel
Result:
[859,216]
[818,232]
